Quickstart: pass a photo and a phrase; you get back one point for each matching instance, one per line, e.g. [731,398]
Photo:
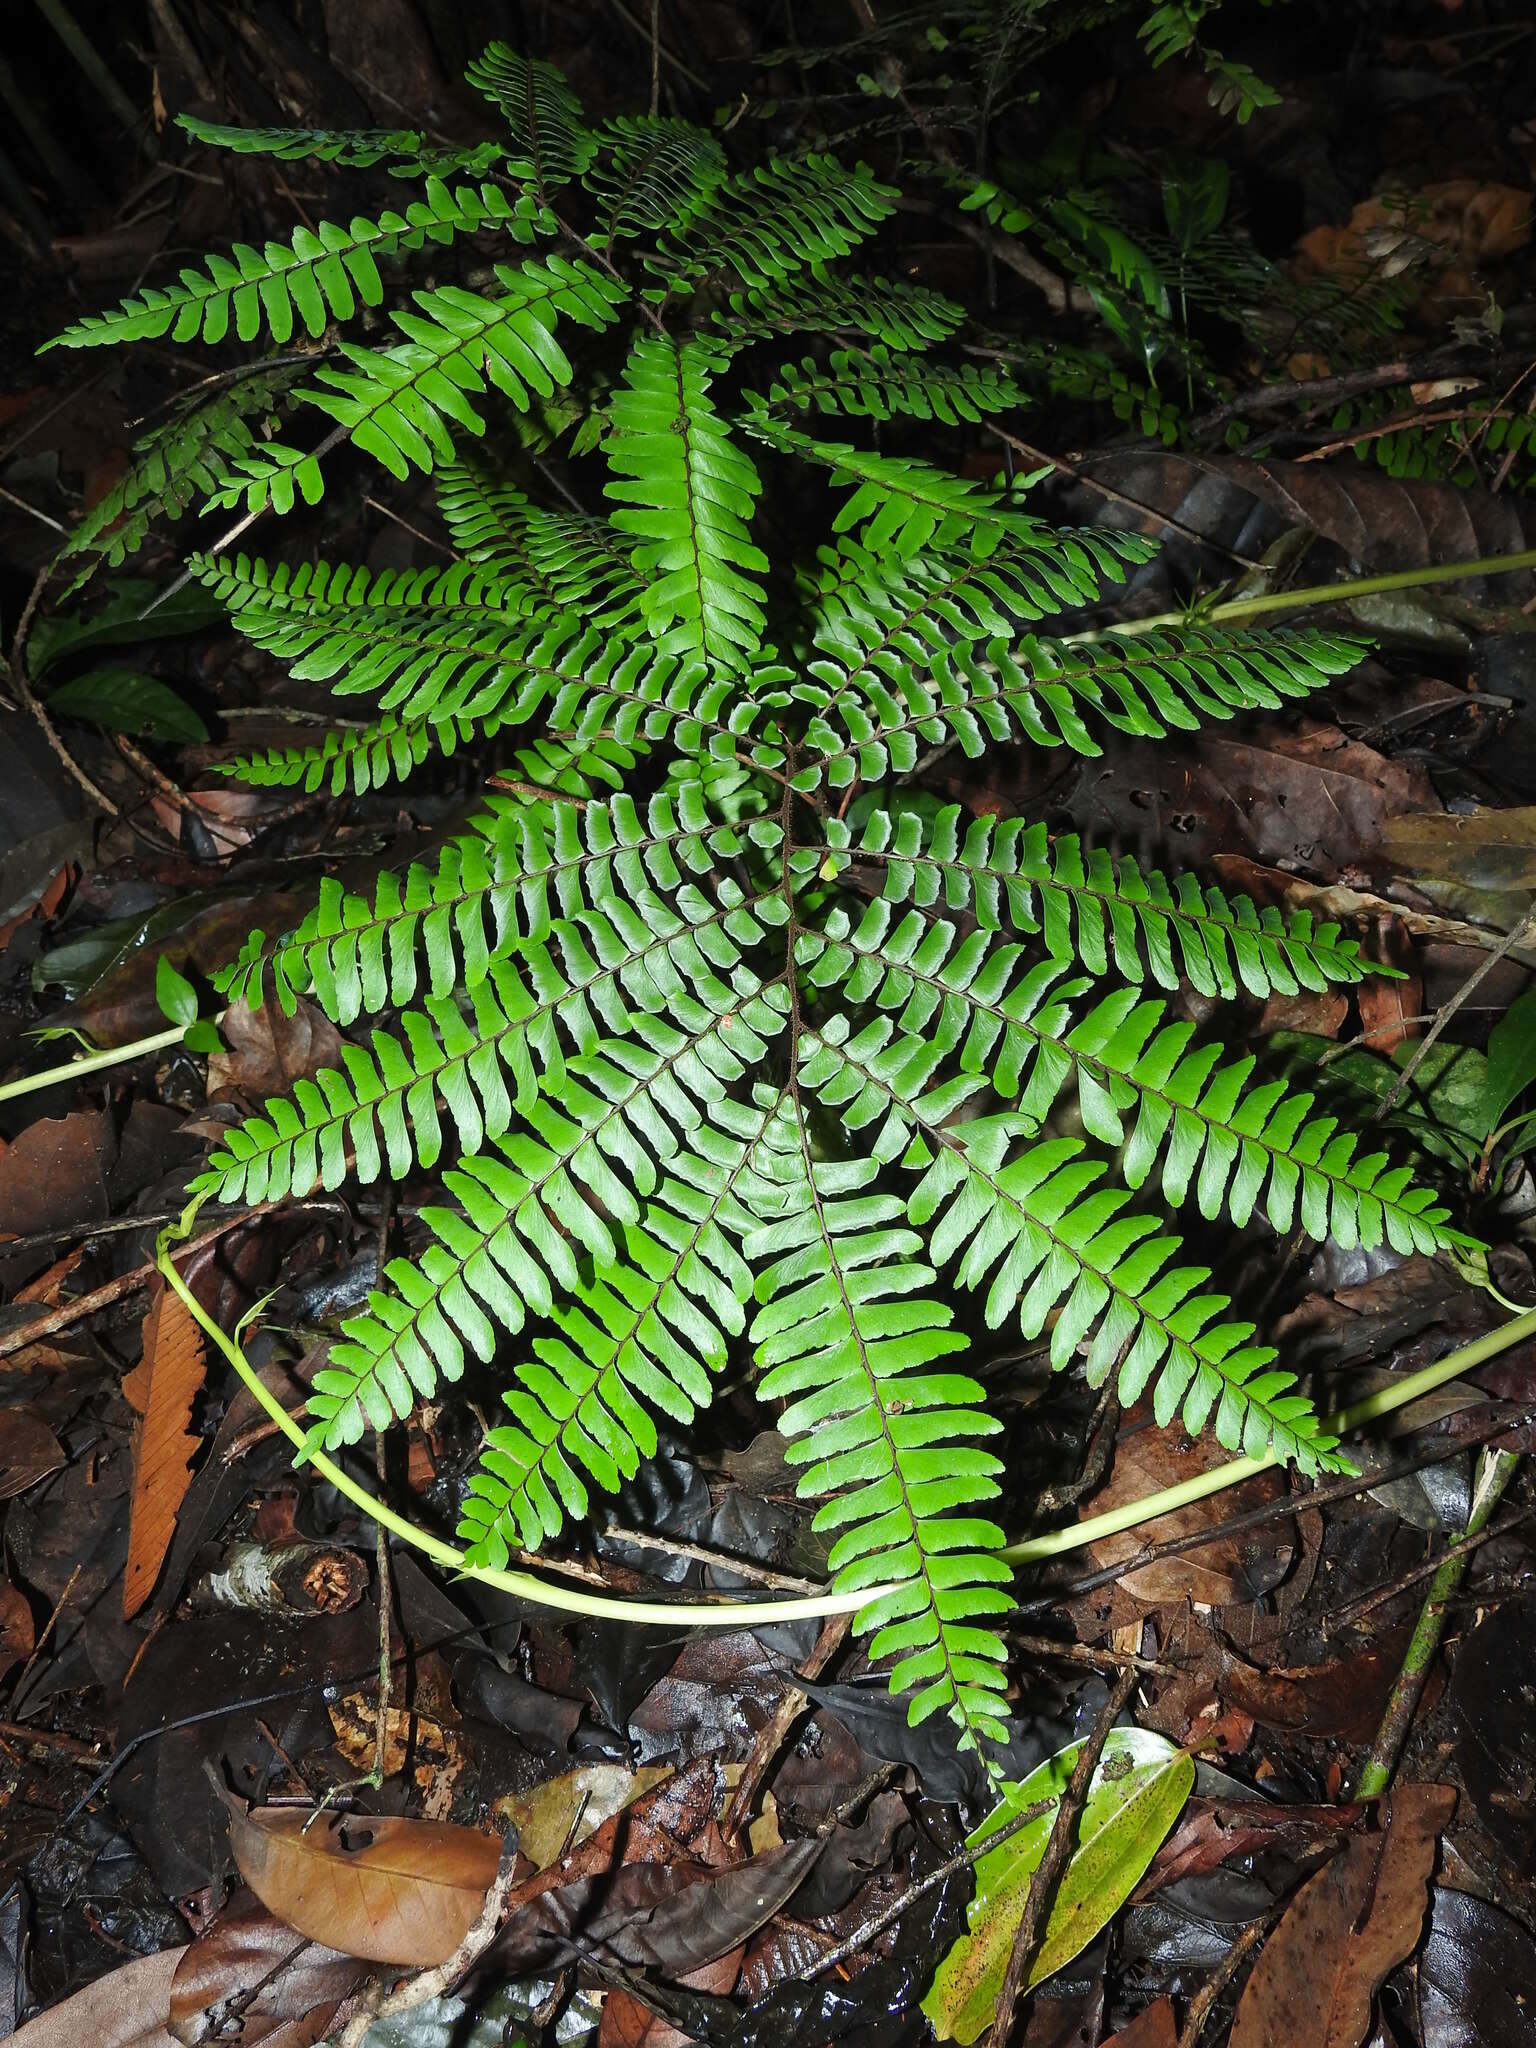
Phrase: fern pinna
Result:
[718,1031]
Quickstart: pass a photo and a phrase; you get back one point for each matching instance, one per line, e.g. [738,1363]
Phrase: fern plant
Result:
[718,1032]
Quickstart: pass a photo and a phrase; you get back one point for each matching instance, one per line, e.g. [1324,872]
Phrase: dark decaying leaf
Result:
[669,1917]
[217,1667]
[249,1972]
[1350,1924]
[1491,1696]
[1373,520]
[16,1627]
[1477,1976]
[1230,1568]
[29,1450]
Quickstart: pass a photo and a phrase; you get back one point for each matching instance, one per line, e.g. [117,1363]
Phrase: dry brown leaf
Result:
[29,1450]
[162,1387]
[1318,1973]
[289,1989]
[268,1051]
[386,1889]
[1153,2027]
[124,2009]
[1239,1567]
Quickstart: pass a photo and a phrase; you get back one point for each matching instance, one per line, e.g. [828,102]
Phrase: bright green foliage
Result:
[688,493]
[725,1038]
[319,276]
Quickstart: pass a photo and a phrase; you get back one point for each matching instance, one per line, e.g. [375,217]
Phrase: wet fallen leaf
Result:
[1484,849]
[1134,1799]
[162,1387]
[390,1890]
[580,1801]
[1345,1929]
[1476,1977]
[29,1450]
[1495,1741]
[124,2009]
[1237,1567]
[284,1990]
[1344,1698]
[1153,2027]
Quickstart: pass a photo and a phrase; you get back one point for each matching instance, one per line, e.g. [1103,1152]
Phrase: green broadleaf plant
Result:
[715,1038]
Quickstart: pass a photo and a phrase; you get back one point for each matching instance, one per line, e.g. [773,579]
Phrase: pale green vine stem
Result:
[1238,608]
[743,1613]
[94,1062]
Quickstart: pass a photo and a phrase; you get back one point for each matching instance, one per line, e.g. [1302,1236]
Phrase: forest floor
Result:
[1375,416]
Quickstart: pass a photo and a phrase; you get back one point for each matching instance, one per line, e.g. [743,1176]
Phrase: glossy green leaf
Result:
[1512,1055]
[1135,1797]
[124,700]
[174,993]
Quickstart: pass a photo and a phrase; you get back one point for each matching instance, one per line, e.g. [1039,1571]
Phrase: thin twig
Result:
[1200,2005]
[1526,929]
[869,1930]
[30,704]
[770,1736]
[114,1290]
[1042,1886]
[429,1984]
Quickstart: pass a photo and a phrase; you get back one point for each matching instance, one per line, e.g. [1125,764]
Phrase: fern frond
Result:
[1196,1122]
[873,384]
[651,174]
[645,1332]
[189,454]
[688,495]
[406,151]
[847,1335]
[670,960]
[569,1172]
[443,671]
[897,314]
[1044,691]
[566,559]
[1096,908]
[551,143]
[319,276]
[899,504]
[1035,1229]
[397,403]
[784,216]
[493,890]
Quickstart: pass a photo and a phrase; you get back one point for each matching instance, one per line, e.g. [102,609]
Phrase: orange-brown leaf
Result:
[389,1890]
[163,1387]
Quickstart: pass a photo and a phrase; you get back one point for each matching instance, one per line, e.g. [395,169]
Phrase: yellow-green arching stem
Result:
[1034,1549]
[94,1062]
[1230,611]
[744,1613]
